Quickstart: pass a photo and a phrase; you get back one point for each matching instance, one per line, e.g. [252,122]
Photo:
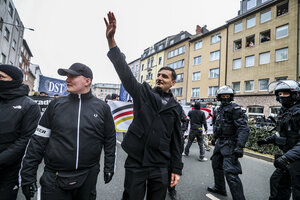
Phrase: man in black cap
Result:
[70,137]
[115,97]
[19,117]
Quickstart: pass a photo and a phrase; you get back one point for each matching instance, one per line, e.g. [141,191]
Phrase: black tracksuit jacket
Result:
[19,117]
[153,138]
[197,119]
[70,136]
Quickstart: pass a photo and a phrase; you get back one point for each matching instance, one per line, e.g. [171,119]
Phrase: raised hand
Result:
[111,26]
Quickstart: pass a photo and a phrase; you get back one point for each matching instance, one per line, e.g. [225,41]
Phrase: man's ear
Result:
[173,83]
[88,82]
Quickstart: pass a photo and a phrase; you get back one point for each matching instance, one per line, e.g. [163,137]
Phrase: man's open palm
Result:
[111,25]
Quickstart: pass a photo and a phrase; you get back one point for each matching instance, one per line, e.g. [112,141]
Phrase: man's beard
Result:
[158,89]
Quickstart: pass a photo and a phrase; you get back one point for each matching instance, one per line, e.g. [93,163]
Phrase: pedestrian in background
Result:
[153,140]
[209,106]
[231,132]
[70,137]
[197,121]
[115,97]
[19,117]
[286,177]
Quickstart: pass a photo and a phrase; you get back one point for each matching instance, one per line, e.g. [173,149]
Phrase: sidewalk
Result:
[257,155]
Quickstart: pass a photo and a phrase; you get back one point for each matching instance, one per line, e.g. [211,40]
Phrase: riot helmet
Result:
[225,90]
[290,86]
[197,105]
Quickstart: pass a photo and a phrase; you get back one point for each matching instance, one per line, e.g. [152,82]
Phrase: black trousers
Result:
[285,183]
[139,179]
[9,182]
[229,167]
[51,190]
[192,135]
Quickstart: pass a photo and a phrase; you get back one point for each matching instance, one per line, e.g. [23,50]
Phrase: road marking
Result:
[212,197]
[118,142]
[38,195]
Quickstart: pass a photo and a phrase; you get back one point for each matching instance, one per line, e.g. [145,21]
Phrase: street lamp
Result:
[31,29]
[219,36]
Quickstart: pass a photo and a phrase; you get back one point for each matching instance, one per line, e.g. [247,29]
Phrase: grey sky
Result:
[69,31]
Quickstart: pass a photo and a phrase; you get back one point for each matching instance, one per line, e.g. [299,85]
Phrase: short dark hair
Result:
[170,69]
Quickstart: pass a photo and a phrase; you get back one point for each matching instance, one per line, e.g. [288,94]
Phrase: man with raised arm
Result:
[153,140]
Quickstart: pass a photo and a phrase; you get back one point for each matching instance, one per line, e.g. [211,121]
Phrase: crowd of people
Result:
[75,128]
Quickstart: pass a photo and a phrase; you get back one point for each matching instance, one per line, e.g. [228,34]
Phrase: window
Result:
[251,4]
[10,10]
[250,41]
[254,111]
[281,78]
[263,1]
[142,67]
[142,78]
[238,27]
[14,44]
[176,52]
[249,61]
[197,60]
[274,111]
[6,34]
[237,63]
[263,84]
[1,23]
[251,22]
[196,76]
[171,42]
[264,58]
[179,78]
[182,36]
[214,55]
[177,92]
[214,73]
[282,9]
[159,60]
[3,58]
[150,62]
[265,36]
[177,64]
[212,90]
[149,76]
[265,16]
[198,45]
[160,47]
[249,85]
[236,86]
[195,92]
[237,44]
[282,31]
[215,38]
[282,54]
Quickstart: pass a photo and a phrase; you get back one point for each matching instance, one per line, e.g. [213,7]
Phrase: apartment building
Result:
[101,90]
[24,65]
[262,48]
[11,33]
[207,64]
[135,68]
[151,61]
[177,57]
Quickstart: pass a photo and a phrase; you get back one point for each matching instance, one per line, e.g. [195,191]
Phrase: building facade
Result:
[25,65]
[135,68]
[101,90]
[11,33]
[177,57]
[262,48]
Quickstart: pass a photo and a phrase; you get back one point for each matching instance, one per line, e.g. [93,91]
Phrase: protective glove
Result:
[238,152]
[108,176]
[281,162]
[29,190]
[262,142]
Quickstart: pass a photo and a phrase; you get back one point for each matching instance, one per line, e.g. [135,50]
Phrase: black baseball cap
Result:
[77,69]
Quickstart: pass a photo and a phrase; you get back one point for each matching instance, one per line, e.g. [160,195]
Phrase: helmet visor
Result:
[283,85]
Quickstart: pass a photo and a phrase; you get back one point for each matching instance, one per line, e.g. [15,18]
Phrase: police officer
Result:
[197,120]
[286,177]
[230,134]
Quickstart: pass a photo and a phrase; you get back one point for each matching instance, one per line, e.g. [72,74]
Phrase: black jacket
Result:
[153,138]
[197,119]
[19,117]
[70,136]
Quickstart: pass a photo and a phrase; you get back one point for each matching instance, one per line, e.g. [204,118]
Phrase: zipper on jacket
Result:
[78,128]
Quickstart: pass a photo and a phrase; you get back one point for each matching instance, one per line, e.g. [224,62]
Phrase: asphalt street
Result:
[195,179]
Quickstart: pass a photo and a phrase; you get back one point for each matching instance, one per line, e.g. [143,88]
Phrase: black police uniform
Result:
[231,132]
[197,120]
[285,181]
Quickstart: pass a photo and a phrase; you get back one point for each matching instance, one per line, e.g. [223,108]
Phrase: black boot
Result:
[215,190]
